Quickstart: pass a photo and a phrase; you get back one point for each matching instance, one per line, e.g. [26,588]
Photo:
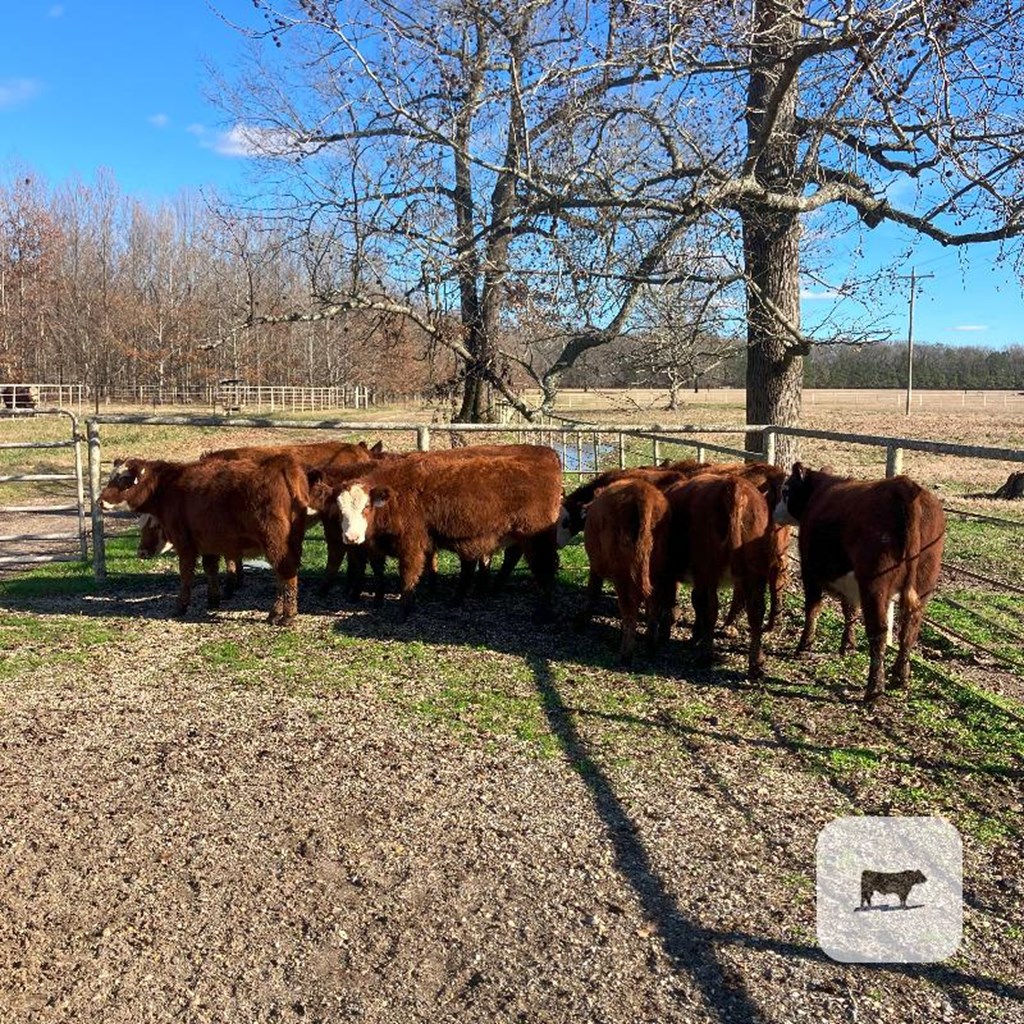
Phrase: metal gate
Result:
[39,510]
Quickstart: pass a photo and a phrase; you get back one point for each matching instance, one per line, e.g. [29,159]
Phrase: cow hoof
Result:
[213,603]
[179,612]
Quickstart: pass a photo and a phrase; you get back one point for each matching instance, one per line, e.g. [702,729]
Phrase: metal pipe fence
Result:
[78,507]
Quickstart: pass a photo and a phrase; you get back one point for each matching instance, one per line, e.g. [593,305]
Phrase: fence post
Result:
[656,451]
[893,461]
[700,453]
[622,450]
[99,551]
[769,447]
[423,439]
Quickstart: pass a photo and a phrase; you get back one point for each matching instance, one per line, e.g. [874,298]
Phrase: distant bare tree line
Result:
[97,287]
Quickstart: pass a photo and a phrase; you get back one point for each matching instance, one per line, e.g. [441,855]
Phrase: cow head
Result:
[125,478]
[793,497]
[152,539]
[571,518]
[357,505]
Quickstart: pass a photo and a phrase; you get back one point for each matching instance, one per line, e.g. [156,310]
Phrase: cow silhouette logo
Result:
[886,883]
[910,876]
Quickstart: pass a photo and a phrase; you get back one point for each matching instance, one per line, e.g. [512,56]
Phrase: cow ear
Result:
[314,476]
[799,470]
[828,468]
[380,496]
[378,448]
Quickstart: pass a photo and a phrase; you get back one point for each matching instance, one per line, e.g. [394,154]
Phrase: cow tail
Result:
[736,511]
[644,548]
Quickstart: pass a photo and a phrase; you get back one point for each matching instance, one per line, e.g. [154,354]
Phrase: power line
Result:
[914,277]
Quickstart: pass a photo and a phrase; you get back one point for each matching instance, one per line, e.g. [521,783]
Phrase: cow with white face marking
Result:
[473,504]
[871,543]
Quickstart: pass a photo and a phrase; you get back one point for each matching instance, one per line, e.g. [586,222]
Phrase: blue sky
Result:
[87,84]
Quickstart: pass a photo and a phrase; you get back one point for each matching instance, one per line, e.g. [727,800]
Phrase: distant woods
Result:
[98,287]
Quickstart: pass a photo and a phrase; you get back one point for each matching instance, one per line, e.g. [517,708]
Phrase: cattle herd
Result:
[872,544]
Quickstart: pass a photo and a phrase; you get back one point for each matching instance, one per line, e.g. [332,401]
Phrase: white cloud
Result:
[809,295]
[249,140]
[971,327]
[15,91]
[159,120]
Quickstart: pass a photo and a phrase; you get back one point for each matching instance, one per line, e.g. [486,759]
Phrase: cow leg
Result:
[911,614]
[705,611]
[467,567]
[735,605]
[186,570]
[211,563]
[813,596]
[583,617]
[336,549]
[659,611]
[513,553]
[776,584]
[754,598]
[377,564]
[483,576]
[629,609]
[847,644]
[232,576]
[431,573]
[873,607]
[412,560]
[541,553]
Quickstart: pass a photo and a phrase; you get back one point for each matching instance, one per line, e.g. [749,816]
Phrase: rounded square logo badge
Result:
[889,890]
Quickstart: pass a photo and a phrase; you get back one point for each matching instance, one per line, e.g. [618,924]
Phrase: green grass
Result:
[28,642]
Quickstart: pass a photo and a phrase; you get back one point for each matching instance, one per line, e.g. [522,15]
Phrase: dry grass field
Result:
[464,817]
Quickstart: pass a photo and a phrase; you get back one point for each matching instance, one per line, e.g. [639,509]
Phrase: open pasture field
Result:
[466,817]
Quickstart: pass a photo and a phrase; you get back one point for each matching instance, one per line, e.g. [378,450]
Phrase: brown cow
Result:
[721,533]
[323,456]
[506,495]
[320,455]
[627,540]
[222,508]
[768,479]
[870,542]
[573,514]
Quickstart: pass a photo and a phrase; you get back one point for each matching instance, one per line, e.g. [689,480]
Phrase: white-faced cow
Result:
[471,503]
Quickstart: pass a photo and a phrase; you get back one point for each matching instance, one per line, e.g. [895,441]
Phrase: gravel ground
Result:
[180,843]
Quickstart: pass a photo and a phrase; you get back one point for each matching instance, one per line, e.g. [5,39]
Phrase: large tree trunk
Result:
[771,238]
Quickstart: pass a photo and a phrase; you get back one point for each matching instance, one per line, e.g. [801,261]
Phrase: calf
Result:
[211,509]
[720,534]
[573,513]
[472,505]
[768,479]
[627,536]
[871,542]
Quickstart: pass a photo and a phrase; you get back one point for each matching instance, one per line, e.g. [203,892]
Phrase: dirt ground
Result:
[185,843]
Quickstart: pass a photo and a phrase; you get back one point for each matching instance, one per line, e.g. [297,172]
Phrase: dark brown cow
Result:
[573,514]
[721,533]
[626,536]
[471,505]
[870,542]
[217,508]
[765,477]
[768,479]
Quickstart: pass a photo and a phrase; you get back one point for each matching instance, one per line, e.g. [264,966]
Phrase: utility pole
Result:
[914,278]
